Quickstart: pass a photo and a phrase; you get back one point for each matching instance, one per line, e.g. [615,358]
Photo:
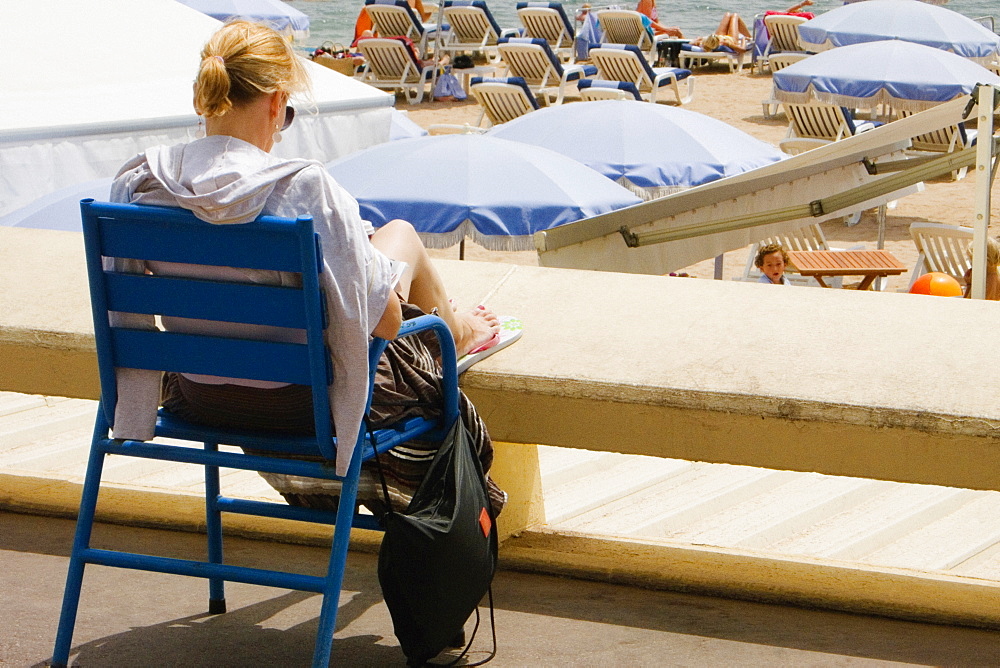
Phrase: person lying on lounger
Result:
[731,33]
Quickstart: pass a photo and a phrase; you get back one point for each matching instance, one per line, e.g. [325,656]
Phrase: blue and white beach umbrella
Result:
[651,149]
[906,20]
[496,192]
[279,15]
[903,75]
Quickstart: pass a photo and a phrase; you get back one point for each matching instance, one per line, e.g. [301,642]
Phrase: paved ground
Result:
[140,619]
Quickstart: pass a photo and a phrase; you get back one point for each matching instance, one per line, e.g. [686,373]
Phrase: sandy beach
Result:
[736,99]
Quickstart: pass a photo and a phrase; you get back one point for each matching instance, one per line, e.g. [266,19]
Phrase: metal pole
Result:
[984,156]
[718,266]
[880,241]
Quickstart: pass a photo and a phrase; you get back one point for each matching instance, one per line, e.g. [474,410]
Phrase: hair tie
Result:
[221,60]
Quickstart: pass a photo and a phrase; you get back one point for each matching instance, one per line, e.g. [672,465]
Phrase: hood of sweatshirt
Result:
[220,179]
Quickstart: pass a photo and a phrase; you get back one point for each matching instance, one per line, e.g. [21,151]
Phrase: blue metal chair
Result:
[172,235]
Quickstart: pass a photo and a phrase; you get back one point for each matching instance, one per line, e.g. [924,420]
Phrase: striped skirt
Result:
[407,384]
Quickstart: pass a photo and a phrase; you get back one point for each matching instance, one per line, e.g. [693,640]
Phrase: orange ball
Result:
[936,283]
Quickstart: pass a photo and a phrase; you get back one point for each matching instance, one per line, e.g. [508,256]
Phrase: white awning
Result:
[86,85]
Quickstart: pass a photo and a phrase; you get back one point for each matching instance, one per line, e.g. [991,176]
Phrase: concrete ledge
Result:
[752,576]
[873,385]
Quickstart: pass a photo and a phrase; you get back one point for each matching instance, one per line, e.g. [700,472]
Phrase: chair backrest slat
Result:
[180,237]
[211,355]
[270,305]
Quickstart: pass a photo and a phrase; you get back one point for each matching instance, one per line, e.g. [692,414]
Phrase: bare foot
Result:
[476,328]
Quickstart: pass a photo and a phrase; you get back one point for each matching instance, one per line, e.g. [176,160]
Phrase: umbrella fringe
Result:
[881,97]
[653,192]
[493,242]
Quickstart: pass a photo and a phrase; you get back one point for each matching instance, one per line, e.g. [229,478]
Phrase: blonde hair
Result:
[766,250]
[710,42]
[992,252]
[241,61]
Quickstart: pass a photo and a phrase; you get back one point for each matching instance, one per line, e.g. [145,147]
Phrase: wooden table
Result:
[867,263]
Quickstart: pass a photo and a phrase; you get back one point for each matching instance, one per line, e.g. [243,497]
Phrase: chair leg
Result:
[81,541]
[213,526]
[336,566]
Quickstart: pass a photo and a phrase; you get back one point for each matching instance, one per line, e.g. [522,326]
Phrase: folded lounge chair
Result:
[599,89]
[617,62]
[502,99]
[548,21]
[533,60]
[472,28]
[395,18]
[391,65]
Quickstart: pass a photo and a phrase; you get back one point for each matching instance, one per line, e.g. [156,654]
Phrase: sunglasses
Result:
[289,117]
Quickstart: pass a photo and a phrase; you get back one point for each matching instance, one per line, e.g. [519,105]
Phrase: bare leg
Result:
[422,286]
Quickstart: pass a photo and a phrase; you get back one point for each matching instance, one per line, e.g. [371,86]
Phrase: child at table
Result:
[771,259]
[992,272]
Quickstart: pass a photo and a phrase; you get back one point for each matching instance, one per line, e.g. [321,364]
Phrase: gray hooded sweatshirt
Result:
[227,181]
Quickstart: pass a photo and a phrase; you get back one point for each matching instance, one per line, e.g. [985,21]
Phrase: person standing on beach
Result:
[246,77]
[648,9]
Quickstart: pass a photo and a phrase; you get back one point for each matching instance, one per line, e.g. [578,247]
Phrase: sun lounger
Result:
[778,62]
[941,248]
[599,89]
[395,18]
[815,124]
[533,60]
[617,62]
[472,28]
[390,65]
[502,99]
[548,21]
[623,26]
[692,56]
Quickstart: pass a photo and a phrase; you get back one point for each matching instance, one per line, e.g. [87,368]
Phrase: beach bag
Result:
[448,87]
[437,558]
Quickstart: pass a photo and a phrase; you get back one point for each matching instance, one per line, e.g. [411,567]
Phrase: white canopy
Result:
[113,78]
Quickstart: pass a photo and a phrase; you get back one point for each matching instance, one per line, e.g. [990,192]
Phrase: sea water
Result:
[333,20]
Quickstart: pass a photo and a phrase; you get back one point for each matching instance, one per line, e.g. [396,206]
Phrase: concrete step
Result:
[762,520]
[628,475]
[786,515]
[873,524]
[27,421]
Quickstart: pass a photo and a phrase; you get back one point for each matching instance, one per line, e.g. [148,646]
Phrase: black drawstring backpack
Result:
[438,557]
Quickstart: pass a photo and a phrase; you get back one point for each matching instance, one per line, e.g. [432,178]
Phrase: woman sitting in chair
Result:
[247,74]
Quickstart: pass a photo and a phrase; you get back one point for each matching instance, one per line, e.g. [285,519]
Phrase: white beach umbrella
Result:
[906,20]
[901,74]
[651,149]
